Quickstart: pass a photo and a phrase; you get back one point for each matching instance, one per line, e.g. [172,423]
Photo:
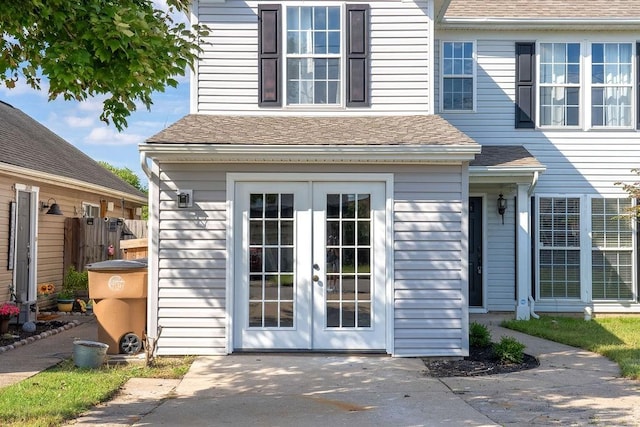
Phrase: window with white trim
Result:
[559,84]
[313,55]
[612,250]
[90,210]
[586,247]
[559,247]
[566,94]
[458,82]
[611,84]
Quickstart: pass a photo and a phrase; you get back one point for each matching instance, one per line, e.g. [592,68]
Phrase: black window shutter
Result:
[525,85]
[357,55]
[269,55]
[638,85]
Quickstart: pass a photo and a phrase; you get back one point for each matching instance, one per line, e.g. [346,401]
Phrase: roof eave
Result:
[346,154]
[69,183]
[539,23]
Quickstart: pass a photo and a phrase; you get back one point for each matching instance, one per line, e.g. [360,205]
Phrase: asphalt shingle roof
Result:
[580,9]
[297,130]
[26,143]
[505,156]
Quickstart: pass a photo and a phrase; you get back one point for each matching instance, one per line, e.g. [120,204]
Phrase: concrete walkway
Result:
[571,387]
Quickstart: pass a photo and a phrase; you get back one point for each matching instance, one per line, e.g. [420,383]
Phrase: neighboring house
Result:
[337,185]
[39,172]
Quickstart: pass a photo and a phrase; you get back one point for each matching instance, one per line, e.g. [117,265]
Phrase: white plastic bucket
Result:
[89,354]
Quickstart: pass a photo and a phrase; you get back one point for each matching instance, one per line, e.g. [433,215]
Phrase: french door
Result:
[309,266]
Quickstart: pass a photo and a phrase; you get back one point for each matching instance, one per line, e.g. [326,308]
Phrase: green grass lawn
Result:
[617,338]
[63,392]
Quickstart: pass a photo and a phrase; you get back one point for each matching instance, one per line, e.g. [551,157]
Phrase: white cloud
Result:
[92,105]
[80,122]
[22,88]
[110,137]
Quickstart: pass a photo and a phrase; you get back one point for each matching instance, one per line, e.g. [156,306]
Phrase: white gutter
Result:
[68,182]
[143,164]
[234,153]
[534,182]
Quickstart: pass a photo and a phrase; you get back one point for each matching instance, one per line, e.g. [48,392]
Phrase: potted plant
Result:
[66,297]
[7,311]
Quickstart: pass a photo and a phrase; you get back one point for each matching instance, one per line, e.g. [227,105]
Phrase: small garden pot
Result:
[89,354]
[65,304]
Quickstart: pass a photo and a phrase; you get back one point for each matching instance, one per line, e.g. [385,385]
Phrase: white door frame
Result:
[235,177]
[33,240]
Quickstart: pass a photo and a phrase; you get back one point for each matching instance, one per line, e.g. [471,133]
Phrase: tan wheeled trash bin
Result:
[119,291]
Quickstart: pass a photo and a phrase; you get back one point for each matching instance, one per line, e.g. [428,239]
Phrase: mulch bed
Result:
[481,361]
[16,334]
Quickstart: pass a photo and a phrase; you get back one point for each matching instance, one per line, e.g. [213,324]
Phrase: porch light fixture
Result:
[185,198]
[54,208]
[502,206]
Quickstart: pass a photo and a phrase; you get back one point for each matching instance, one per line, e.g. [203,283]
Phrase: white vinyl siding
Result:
[430,267]
[227,74]
[429,258]
[583,163]
[192,262]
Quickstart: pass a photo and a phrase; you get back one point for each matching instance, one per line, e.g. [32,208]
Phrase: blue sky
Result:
[79,122]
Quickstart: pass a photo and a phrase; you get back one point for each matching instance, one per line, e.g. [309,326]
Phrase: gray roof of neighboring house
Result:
[303,130]
[577,9]
[505,156]
[27,144]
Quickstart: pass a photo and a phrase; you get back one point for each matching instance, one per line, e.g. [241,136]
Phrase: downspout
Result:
[532,302]
[152,306]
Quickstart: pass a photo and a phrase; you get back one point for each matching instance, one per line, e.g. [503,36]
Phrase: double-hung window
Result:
[586,249]
[588,85]
[313,55]
[612,250]
[559,247]
[611,85]
[457,91]
[559,84]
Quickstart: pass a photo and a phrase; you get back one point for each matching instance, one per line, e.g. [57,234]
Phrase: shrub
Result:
[509,350]
[479,335]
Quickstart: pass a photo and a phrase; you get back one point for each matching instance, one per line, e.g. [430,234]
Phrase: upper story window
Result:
[319,56]
[457,91]
[611,84]
[559,84]
[313,55]
[586,85]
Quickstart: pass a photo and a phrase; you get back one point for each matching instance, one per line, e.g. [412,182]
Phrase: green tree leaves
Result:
[125,49]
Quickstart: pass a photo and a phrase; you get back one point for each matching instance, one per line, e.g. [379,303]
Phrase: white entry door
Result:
[310,266]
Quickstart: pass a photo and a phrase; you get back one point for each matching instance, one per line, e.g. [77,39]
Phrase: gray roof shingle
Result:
[580,9]
[26,143]
[505,156]
[302,130]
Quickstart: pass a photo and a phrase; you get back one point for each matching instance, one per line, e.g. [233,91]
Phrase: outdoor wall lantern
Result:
[502,206]
[54,208]
[185,198]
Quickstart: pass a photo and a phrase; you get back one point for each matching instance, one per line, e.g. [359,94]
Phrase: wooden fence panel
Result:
[88,240]
[134,229]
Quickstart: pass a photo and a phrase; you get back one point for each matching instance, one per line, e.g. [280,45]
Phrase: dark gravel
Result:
[16,333]
[480,361]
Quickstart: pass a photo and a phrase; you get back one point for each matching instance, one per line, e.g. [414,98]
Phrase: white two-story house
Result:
[360,176]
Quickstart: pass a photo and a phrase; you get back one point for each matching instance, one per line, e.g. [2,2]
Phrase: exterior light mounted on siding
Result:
[502,206]
[54,208]
[185,198]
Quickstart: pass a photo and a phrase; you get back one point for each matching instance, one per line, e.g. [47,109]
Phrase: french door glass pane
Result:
[348,261]
[271,261]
